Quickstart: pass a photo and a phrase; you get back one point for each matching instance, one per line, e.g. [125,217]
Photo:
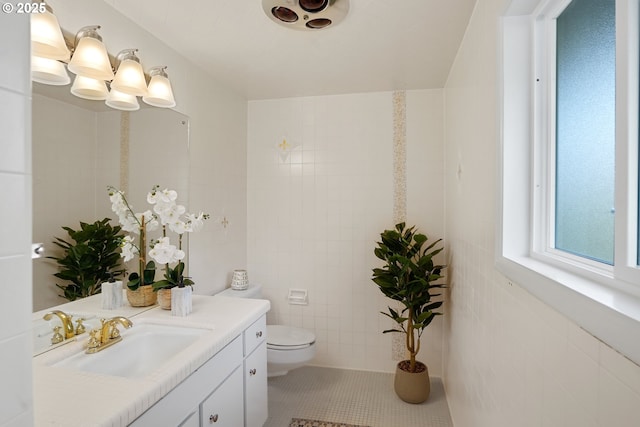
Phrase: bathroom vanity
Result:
[211,369]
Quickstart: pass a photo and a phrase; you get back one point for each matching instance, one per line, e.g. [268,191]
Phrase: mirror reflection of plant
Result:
[174,217]
[136,223]
[170,216]
[90,259]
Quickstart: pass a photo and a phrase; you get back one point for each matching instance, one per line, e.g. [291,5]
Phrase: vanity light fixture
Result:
[88,88]
[49,71]
[129,77]
[306,14]
[159,93]
[47,40]
[92,66]
[122,101]
[90,58]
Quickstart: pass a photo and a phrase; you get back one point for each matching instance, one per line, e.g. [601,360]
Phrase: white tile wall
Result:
[16,407]
[509,359]
[315,214]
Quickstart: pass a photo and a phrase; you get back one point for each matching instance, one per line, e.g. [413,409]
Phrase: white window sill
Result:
[610,315]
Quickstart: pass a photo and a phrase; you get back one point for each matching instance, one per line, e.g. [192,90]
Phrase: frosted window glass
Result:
[585,129]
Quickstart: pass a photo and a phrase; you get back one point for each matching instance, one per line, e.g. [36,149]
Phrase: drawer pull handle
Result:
[213,418]
[252,371]
[258,334]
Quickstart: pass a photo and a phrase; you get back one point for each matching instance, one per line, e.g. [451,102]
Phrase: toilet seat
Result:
[280,337]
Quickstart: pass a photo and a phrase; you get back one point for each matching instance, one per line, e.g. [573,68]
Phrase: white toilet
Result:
[288,347]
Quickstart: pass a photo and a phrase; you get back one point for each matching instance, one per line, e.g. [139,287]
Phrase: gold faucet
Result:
[108,334]
[66,320]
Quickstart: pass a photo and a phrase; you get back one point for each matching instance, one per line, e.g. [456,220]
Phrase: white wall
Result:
[510,360]
[16,407]
[315,213]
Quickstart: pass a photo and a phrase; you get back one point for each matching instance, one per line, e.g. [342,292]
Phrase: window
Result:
[586,120]
[569,217]
[585,130]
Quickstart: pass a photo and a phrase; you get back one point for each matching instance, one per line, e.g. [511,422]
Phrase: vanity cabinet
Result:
[255,374]
[179,405]
[229,390]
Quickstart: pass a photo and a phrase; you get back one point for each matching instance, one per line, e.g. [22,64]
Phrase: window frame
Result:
[603,299]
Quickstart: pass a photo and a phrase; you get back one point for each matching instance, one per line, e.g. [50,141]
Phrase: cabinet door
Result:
[192,420]
[255,386]
[224,407]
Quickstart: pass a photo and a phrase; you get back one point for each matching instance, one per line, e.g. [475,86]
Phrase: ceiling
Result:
[381,45]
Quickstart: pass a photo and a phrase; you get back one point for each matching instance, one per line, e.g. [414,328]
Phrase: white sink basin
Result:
[143,349]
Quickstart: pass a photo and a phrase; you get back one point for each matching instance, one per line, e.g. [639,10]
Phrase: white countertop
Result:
[64,397]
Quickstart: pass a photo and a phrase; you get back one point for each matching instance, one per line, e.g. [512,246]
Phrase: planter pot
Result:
[164,298]
[144,296]
[181,301]
[412,387]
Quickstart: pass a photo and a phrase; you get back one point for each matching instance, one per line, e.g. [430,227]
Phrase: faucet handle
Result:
[80,329]
[57,336]
[94,340]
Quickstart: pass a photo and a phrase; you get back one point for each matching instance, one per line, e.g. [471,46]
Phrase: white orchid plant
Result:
[166,215]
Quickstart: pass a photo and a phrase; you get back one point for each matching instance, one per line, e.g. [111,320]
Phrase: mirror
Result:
[79,148]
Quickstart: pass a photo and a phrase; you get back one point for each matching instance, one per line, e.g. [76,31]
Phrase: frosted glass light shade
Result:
[47,40]
[88,88]
[160,92]
[122,101]
[130,79]
[49,71]
[90,59]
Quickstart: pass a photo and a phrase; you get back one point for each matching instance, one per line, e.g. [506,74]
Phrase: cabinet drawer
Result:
[255,334]
[224,407]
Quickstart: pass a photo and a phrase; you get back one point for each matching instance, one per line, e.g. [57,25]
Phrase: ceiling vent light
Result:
[306,14]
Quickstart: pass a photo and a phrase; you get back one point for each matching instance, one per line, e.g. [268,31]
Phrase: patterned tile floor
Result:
[355,397]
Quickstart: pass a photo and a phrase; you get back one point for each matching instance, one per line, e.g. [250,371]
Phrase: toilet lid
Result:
[288,337]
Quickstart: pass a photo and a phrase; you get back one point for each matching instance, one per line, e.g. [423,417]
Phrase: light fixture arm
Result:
[127,54]
[88,31]
[158,71]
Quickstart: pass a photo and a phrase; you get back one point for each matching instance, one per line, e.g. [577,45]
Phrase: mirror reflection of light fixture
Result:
[122,101]
[49,71]
[90,58]
[159,93]
[129,77]
[306,14]
[47,40]
[88,88]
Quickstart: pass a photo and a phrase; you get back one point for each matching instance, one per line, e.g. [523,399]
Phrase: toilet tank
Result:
[253,291]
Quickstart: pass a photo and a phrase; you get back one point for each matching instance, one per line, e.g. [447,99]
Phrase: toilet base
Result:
[278,370]
[280,362]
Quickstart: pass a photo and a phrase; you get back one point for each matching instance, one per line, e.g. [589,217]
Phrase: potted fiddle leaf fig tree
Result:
[410,276]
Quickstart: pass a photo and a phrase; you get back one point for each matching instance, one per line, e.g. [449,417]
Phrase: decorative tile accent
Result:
[399,190]
[399,157]
[124,151]
[285,148]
